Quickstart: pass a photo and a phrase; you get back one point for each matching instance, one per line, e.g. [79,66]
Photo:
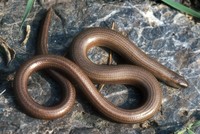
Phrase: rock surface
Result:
[163,33]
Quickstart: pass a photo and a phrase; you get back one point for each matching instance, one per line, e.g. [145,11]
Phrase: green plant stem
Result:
[182,8]
[27,11]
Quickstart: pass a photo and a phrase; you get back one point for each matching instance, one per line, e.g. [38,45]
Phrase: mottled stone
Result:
[84,131]
[148,131]
[163,33]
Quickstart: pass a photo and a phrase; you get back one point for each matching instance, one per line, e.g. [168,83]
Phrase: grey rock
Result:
[84,131]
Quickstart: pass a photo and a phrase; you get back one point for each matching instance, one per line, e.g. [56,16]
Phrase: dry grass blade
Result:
[28,31]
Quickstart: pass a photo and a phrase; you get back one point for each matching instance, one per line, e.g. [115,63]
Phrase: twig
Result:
[110,58]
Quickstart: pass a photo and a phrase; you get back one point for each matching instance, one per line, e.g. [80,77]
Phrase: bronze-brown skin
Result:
[83,70]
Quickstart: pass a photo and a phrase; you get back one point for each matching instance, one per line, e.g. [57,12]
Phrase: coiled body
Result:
[121,45]
[84,72]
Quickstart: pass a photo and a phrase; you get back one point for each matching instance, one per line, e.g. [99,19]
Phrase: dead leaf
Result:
[9,52]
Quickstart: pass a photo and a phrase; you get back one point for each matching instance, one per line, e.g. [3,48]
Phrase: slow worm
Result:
[82,71]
